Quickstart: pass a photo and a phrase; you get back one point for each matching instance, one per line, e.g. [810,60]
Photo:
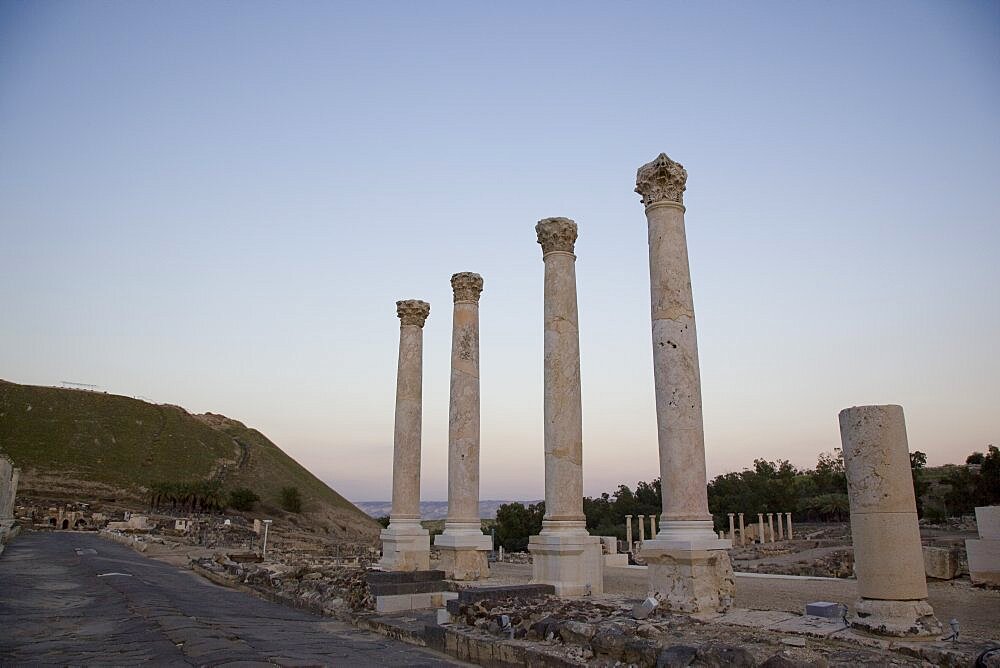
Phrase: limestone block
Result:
[394,603]
[887,556]
[615,560]
[940,563]
[573,563]
[405,548]
[984,561]
[988,522]
[464,563]
[895,618]
[691,581]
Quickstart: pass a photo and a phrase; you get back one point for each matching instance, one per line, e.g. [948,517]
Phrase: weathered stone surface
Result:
[578,633]
[676,656]
[564,554]
[691,581]
[940,563]
[717,655]
[888,558]
[685,523]
[462,545]
[405,544]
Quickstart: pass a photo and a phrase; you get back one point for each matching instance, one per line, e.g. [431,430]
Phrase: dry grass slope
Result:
[73,443]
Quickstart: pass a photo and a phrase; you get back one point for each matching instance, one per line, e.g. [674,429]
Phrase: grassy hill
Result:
[80,445]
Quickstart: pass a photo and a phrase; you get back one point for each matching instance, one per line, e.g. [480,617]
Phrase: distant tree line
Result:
[817,494]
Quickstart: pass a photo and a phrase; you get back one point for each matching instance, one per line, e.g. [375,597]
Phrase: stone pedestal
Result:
[984,553]
[405,544]
[463,545]
[887,555]
[688,563]
[564,555]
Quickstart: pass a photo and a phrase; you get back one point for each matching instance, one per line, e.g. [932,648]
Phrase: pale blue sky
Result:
[217,204]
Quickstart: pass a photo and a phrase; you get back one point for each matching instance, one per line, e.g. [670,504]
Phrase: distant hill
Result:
[432,510]
[90,446]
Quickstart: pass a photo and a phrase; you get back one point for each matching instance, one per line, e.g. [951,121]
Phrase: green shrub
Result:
[291,500]
[243,498]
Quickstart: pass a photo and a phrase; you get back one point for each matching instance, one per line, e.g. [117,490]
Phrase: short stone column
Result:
[652,526]
[762,537]
[788,521]
[628,532]
[888,558]
[564,555]
[406,544]
[688,563]
[770,527]
[463,545]
[781,531]
[732,527]
[743,536]
[642,528]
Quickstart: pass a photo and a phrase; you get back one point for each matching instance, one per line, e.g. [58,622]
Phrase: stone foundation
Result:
[463,556]
[572,563]
[895,618]
[405,547]
[690,581]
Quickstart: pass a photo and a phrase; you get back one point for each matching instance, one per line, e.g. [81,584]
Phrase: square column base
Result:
[898,619]
[573,563]
[690,581]
[463,555]
[405,547]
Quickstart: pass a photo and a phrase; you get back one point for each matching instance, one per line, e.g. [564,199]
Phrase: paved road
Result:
[73,598]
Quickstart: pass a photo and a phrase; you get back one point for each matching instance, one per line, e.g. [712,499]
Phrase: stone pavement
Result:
[73,599]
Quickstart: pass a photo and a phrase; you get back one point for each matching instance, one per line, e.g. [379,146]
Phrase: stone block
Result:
[616,560]
[988,522]
[475,594]
[691,581]
[420,601]
[984,562]
[825,609]
[394,603]
[895,618]
[940,563]
[573,563]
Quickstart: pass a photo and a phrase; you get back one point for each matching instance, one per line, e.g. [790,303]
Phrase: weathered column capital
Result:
[412,312]
[467,287]
[556,234]
[661,180]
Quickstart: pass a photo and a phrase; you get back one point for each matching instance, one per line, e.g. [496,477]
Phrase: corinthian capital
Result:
[467,286]
[412,312]
[556,234]
[661,180]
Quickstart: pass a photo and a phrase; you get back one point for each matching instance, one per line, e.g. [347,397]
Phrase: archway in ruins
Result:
[65,524]
[52,521]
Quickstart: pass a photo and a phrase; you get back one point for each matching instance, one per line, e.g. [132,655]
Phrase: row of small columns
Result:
[762,535]
[642,529]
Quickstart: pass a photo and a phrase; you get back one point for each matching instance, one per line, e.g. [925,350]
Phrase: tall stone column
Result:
[781,531]
[652,525]
[564,554]
[688,562]
[463,545]
[642,528]
[406,544]
[888,557]
[788,520]
[762,538]
[770,527]
[628,532]
[743,535]
[732,528]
